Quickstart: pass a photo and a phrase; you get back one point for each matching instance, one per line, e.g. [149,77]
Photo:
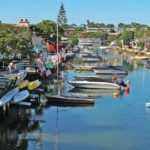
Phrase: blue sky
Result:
[77,11]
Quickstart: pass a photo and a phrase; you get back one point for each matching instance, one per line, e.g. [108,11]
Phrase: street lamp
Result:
[57,48]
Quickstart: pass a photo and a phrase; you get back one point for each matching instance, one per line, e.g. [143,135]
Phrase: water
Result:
[113,123]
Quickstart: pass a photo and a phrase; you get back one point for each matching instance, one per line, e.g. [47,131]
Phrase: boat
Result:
[20,96]
[87,65]
[110,70]
[91,57]
[23,84]
[34,84]
[66,99]
[93,92]
[8,96]
[6,84]
[20,76]
[103,48]
[141,57]
[147,104]
[94,84]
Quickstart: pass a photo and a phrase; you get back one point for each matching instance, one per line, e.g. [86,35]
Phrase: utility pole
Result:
[57,50]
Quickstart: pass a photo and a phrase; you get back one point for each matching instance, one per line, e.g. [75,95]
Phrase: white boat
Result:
[6,98]
[91,58]
[20,96]
[93,92]
[20,76]
[94,85]
[103,48]
[147,104]
[110,70]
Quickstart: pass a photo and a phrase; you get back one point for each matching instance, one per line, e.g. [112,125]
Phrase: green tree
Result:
[61,18]
[127,37]
[141,44]
[47,30]
[74,40]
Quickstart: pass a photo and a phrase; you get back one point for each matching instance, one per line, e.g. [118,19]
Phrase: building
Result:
[89,41]
[23,23]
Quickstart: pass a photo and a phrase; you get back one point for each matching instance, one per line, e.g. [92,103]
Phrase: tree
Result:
[127,37]
[61,18]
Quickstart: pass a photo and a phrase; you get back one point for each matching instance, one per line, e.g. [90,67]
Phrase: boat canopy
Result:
[110,67]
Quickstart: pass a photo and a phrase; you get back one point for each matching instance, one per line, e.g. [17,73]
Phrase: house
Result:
[89,41]
[23,23]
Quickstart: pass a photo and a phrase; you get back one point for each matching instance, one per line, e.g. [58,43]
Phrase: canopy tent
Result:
[53,47]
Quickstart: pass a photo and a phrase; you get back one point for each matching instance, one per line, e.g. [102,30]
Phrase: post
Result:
[57,50]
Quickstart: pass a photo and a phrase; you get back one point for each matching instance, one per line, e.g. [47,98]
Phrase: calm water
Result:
[113,123]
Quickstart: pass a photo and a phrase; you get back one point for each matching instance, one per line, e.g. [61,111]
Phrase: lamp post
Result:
[57,48]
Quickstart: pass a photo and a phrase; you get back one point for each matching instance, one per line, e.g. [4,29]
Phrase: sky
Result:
[77,11]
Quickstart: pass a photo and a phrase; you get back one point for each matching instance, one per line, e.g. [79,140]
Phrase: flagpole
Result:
[57,50]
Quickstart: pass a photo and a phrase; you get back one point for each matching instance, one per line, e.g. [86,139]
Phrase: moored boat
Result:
[93,92]
[34,84]
[147,104]
[23,84]
[70,99]
[94,85]
[20,96]
[7,97]
[141,58]
[110,70]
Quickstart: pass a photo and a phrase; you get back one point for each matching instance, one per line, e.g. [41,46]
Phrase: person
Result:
[113,79]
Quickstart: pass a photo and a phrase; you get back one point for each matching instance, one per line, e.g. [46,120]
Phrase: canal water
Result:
[112,123]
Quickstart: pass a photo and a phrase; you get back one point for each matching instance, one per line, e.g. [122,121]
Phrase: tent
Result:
[53,47]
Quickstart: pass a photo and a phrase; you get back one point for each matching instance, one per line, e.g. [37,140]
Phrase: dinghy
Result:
[6,98]
[70,99]
[20,96]
[23,84]
[34,84]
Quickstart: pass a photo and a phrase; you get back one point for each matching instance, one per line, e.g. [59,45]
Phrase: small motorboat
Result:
[23,84]
[20,96]
[147,104]
[141,58]
[70,99]
[34,84]
[110,70]
[93,92]
[94,84]
[7,97]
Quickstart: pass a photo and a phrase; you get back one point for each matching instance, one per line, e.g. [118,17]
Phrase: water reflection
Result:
[94,92]
[14,130]
[106,125]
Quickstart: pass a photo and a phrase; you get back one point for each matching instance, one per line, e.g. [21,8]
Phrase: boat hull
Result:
[8,96]
[23,84]
[34,84]
[109,72]
[94,85]
[70,100]
[20,96]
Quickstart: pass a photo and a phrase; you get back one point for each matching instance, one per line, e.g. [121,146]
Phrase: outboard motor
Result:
[120,82]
